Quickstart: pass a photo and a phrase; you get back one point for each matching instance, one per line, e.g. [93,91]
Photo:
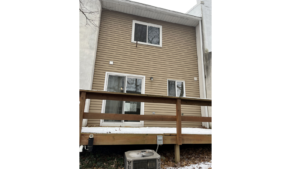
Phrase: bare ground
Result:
[112,157]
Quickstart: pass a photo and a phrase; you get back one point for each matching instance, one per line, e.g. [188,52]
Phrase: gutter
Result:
[148,11]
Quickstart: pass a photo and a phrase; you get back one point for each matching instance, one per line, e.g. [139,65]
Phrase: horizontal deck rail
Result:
[143,117]
[178,101]
[103,95]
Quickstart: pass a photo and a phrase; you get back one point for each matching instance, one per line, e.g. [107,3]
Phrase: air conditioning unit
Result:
[142,159]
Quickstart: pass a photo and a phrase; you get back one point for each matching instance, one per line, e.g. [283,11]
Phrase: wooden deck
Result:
[133,139]
[130,139]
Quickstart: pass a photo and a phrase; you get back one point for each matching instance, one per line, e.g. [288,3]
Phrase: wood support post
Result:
[178,135]
[81,110]
[177,153]
[178,121]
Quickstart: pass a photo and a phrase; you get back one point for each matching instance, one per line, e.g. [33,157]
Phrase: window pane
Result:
[180,90]
[140,33]
[171,88]
[153,35]
[115,84]
[133,86]
[113,107]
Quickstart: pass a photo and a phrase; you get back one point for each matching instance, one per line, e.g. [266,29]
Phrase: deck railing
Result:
[178,101]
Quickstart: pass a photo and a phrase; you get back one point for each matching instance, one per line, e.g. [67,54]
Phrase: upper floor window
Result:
[146,33]
[176,88]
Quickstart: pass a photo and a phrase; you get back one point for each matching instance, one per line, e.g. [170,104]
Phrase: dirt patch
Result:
[112,157]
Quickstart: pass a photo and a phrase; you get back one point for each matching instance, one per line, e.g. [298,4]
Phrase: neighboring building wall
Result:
[196,10]
[206,14]
[88,45]
[204,10]
[176,59]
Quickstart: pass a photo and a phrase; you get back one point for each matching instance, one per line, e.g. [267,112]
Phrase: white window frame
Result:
[184,94]
[123,123]
[147,24]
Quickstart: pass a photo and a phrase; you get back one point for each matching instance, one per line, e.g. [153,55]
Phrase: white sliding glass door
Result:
[115,84]
[123,83]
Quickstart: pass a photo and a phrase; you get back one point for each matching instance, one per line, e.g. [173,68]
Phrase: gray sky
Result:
[175,5]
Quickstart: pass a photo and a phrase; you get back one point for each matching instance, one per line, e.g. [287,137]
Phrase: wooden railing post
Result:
[178,127]
[81,110]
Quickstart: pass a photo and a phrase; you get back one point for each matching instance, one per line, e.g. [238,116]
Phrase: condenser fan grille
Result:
[144,164]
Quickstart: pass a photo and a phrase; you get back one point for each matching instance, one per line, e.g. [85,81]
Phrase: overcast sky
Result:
[175,5]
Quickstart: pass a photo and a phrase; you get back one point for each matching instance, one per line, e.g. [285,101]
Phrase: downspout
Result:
[203,53]
[204,108]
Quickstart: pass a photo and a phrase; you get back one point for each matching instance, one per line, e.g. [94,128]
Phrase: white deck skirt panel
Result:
[148,11]
[144,130]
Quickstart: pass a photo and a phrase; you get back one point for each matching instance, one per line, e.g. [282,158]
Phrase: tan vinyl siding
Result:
[176,59]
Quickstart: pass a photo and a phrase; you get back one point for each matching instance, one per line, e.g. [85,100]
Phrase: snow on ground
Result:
[205,165]
[144,130]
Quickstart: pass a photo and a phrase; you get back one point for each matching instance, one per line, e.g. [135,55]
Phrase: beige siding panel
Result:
[176,59]
[170,109]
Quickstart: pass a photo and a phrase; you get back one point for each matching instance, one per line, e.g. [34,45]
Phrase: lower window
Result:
[123,83]
[176,88]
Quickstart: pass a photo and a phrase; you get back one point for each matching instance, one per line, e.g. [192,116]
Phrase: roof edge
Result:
[150,8]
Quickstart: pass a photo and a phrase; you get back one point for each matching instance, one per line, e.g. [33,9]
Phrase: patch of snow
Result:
[205,165]
[144,130]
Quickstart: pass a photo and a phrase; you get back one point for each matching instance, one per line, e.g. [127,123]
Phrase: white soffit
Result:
[147,11]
